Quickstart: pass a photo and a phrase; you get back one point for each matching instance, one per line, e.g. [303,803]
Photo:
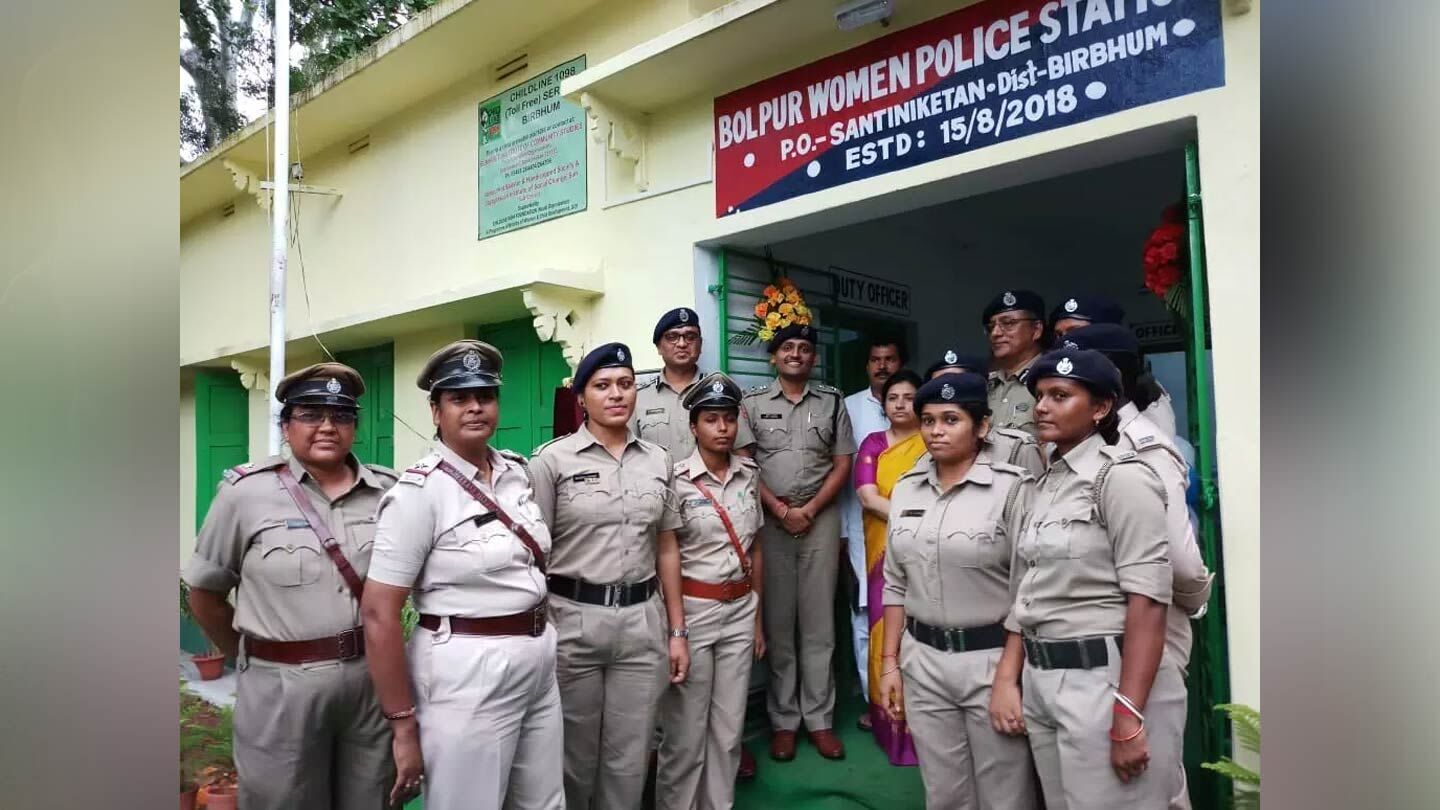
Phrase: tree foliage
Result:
[226,49]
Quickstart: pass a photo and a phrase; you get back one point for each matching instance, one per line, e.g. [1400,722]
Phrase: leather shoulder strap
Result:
[729,527]
[489,503]
[322,532]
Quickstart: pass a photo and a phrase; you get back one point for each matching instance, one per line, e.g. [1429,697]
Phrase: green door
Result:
[532,371]
[222,432]
[375,431]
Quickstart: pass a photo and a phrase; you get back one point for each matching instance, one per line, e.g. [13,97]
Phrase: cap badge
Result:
[620,355]
[950,357]
[1064,366]
[718,387]
[1071,305]
[333,386]
[684,316]
[471,360]
[1008,298]
[1070,344]
[947,392]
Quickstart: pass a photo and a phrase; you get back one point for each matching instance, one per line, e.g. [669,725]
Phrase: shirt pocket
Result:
[652,426]
[587,497]
[645,498]
[773,435]
[1063,535]
[821,438]
[290,554]
[981,546]
[903,540]
[466,549]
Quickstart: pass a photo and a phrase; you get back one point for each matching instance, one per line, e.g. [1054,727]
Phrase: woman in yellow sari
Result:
[884,456]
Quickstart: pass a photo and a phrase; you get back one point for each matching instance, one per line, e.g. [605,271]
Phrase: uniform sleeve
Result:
[1030,457]
[542,479]
[844,432]
[1133,501]
[404,535]
[1191,577]
[670,519]
[896,584]
[744,431]
[220,546]
[1015,525]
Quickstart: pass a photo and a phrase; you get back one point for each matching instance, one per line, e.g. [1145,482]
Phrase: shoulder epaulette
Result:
[829,389]
[516,457]
[1017,434]
[757,389]
[417,472]
[1012,469]
[1113,456]
[648,383]
[381,469]
[543,445]
[748,462]
[234,474]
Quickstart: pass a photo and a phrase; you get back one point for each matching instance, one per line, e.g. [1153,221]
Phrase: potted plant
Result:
[221,788]
[211,663]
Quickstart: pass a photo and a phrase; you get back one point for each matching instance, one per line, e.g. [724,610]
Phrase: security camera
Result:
[853,14]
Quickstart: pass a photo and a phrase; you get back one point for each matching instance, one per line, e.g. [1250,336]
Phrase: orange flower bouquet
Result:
[780,305]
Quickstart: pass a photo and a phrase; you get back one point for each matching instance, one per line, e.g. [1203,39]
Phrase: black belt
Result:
[1080,653]
[619,594]
[955,639]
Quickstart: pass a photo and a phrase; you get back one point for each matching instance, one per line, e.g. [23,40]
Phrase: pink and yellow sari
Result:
[882,465]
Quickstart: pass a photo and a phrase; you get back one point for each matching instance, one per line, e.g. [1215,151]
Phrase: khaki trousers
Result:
[964,763]
[799,618]
[1068,714]
[490,725]
[310,735]
[611,667]
[702,719]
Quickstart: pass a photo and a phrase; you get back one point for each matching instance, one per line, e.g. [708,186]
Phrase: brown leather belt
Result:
[341,647]
[528,623]
[721,591]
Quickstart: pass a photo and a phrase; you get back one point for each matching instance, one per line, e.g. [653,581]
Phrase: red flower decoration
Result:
[1165,251]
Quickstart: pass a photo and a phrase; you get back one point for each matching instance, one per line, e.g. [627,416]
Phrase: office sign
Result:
[987,73]
[859,291]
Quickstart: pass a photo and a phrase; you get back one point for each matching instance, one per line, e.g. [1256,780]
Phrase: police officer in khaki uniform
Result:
[1015,329]
[715,515]
[804,444]
[1104,707]
[603,492]
[308,731]
[1007,445]
[1192,578]
[954,519]
[1086,309]
[659,416]
[473,704]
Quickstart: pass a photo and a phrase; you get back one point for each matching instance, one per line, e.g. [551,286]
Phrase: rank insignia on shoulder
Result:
[231,475]
[412,477]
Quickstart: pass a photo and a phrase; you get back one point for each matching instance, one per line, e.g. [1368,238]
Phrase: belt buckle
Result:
[612,595]
[537,621]
[1084,645]
[348,643]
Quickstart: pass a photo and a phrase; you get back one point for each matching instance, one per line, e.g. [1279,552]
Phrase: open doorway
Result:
[931,269]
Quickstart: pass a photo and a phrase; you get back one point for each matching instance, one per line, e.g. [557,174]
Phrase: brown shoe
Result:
[746,771]
[782,746]
[827,744]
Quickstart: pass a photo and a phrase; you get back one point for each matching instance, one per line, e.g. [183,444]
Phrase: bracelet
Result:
[787,512]
[889,655]
[895,668]
[400,715]
[1130,706]
[1113,738]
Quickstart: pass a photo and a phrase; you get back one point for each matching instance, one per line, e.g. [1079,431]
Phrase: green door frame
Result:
[532,371]
[216,450]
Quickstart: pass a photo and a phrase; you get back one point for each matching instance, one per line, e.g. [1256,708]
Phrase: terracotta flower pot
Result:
[219,798]
[211,665]
[187,799]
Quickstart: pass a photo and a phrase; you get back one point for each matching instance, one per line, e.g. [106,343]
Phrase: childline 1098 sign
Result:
[532,154]
[989,72]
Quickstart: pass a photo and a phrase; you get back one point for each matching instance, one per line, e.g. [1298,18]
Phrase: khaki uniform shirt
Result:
[603,514]
[1011,404]
[255,538]
[947,554]
[706,552]
[661,419]
[1015,446]
[458,556]
[1074,574]
[795,442]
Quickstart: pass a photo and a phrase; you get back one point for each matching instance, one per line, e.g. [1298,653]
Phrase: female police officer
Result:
[481,725]
[603,492]
[953,519]
[1092,576]
[714,517]
[295,538]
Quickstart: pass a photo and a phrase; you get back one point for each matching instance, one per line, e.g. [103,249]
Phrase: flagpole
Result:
[280,213]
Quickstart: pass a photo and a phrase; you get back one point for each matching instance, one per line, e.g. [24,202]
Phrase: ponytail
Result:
[1109,427]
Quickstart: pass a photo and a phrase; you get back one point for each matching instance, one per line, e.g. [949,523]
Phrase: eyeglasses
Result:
[1007,324]
[677,338]
[317,417]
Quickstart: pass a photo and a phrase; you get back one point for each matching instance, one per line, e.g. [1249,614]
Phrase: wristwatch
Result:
[683,632]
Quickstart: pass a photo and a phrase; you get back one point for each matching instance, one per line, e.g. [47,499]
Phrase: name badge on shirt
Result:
[592,477]
[1022,407]
[1144,440]
[654,411]
[913,513]
[481,520]
[698,502]
[297,523]
[772,416]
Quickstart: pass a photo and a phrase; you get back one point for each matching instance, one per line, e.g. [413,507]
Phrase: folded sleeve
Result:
[1133,501]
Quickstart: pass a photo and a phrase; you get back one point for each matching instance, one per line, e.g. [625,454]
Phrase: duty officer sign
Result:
[987,73]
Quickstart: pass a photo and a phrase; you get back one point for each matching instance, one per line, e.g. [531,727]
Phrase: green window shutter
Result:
[532,370]
[375,432]
[222,432]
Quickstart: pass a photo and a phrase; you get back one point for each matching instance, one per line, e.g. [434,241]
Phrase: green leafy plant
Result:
[206,740]
[409,617]
[1246,723]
